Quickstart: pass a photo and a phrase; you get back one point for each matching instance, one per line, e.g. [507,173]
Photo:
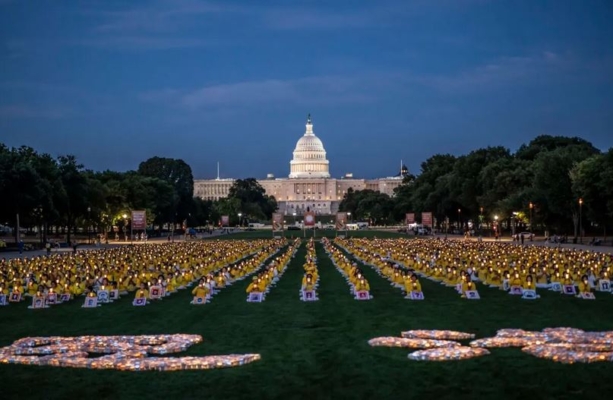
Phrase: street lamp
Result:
[349,216]
[580,220]
[531,207]
[239,218]
[480,219]
[125,226]
[89,219]
[460,220]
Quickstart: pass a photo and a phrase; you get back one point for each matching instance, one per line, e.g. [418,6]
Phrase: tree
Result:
[21,186]
[179,174]
[254,203]
[73,195]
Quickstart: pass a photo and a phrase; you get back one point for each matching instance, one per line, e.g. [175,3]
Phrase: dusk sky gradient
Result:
[117,82]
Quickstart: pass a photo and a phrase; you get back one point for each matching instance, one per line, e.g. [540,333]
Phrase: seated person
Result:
[254,286]
[142,292]
[202,290]
[412,285]
[584,286]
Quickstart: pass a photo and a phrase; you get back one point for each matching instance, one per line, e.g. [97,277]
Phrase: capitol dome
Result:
[309,156]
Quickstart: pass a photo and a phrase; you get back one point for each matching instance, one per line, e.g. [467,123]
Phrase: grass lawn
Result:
[316,350]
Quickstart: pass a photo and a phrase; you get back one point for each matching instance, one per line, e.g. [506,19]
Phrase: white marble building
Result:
[309,183]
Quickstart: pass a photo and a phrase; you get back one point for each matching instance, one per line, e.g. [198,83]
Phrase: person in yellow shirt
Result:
[412,285]
[142,292]
[529,284]
[254,286]
[201,290]
[584,286]
[308,283]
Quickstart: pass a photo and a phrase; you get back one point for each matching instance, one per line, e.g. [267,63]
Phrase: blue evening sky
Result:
[117,82]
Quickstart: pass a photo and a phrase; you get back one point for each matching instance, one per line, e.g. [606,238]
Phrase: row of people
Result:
[310,278]
[401,278]
[358,284]
[270,275]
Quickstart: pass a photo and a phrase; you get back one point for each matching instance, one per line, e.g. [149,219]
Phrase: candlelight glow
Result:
[125,353]
[448,354]
[389,341]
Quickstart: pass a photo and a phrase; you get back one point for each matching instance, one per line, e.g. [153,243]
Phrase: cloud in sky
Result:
[19,111]
[499,72]
[156,16]
[326,90]
[142,43]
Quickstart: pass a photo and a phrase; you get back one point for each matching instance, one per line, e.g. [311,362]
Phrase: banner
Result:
[309,218]
[410,218]
[277,222]
[341,221]
[225,220]
[139,220]
[426,219]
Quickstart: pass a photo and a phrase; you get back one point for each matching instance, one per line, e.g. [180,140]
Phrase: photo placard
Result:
[255,297]
[417,295]
[140,302]
[38,302]
[516,290]
[362,295]
[529,294]
[472,295]
[90,302]
[155,292]
[604,285]
[309,295]
[52,299]
[103,296]
[569,289]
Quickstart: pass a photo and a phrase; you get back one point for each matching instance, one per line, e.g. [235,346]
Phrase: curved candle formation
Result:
[448,354]
[565,345]
[126,353]
[390,341]
[439,335]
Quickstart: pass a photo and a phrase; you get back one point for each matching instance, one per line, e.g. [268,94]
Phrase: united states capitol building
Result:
[309,183]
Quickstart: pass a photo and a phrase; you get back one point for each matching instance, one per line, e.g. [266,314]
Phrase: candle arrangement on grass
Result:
[565,345]
[125,353]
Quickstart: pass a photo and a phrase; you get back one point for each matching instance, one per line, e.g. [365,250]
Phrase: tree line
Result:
[59,195]
[553,183]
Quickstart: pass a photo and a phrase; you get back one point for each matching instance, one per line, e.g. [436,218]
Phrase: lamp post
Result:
[496,226]
[125,226]
[531,207]
[580,220]
[349,216]
[460,220]
[239,219]
[89,219]
[480,221]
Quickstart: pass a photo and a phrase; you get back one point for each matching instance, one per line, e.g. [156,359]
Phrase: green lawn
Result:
[316,350]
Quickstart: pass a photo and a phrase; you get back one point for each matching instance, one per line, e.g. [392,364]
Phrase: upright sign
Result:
[139,220]
[410,218]
[341,221]
[309,218]
[225,220]
[426,219]
[277,221]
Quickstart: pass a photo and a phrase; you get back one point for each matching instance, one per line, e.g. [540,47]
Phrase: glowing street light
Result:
[580,220]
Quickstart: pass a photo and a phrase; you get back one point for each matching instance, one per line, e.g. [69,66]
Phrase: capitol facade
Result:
[309,184]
